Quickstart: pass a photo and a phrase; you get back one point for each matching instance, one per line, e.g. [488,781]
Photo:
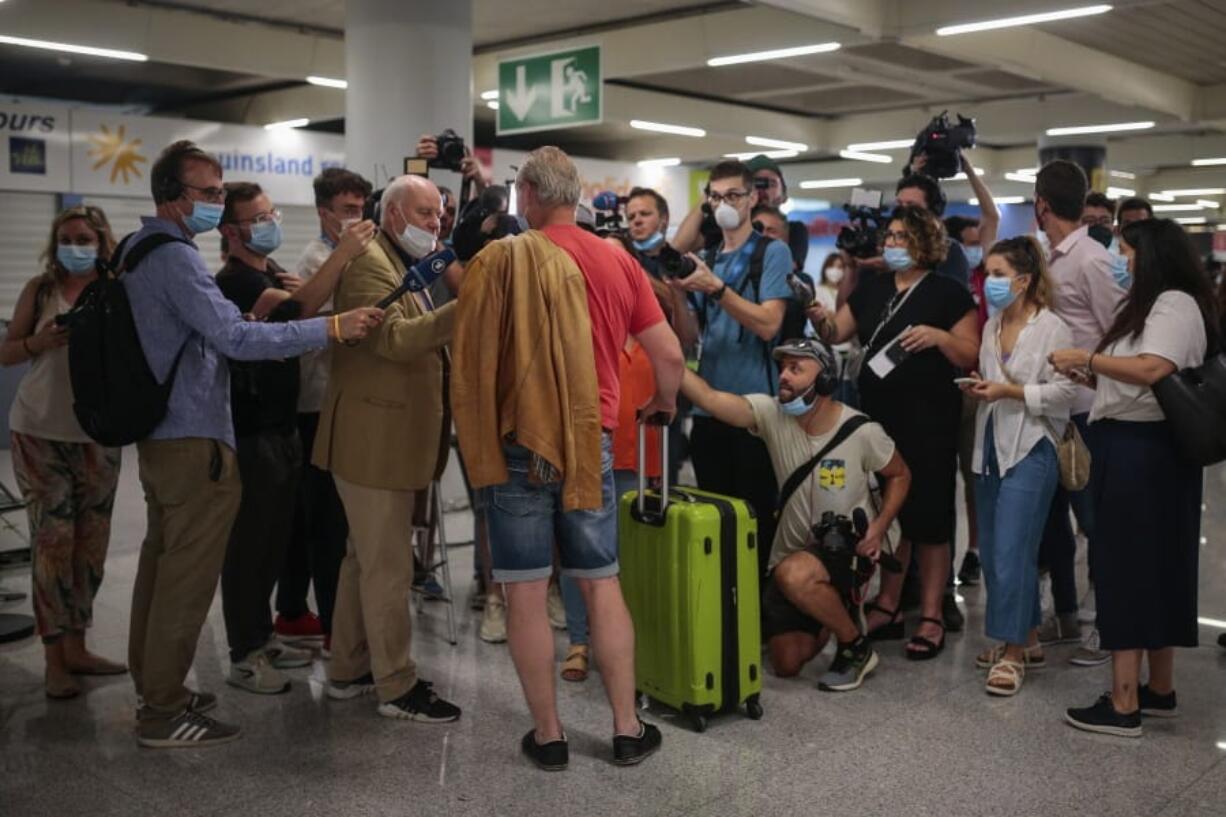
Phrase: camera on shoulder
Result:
[941,141]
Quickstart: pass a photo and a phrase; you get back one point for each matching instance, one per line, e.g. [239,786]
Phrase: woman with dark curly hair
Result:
[919,331]
[66,479]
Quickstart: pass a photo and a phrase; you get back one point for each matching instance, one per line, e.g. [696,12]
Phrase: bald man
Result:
[384,433]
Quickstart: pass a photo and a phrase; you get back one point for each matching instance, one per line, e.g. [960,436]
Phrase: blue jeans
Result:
[526,518]
[572,598]
[1012,511]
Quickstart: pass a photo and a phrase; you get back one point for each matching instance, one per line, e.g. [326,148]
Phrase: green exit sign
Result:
[540,92]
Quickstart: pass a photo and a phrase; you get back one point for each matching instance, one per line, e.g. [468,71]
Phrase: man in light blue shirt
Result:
[741,299]
[187,465]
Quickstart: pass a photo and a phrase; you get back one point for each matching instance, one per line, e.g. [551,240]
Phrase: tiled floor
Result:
[916,740]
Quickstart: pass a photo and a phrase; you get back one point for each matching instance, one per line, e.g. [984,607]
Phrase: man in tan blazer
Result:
[384,434]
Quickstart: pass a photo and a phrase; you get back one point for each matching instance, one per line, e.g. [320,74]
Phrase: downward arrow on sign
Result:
[521,98]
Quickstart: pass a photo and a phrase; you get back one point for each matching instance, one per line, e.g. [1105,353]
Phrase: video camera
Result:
[940,142]
[862,238]
[835,538]
[484,219]
[609,218]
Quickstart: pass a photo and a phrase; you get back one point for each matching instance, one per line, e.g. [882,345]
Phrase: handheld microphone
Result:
[420,276]
[605,200]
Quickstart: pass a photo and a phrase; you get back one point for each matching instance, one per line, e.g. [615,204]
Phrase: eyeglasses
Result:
[261,218]
[733,197]
[215,195]
[897,236]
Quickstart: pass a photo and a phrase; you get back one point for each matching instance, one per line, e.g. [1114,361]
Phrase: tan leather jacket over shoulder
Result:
[385,422]
[524,365]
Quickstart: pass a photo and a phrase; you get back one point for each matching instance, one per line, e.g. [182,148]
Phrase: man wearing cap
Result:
[805,427]
[773,192]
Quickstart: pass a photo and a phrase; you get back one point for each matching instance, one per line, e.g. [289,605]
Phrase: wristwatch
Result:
[719,293]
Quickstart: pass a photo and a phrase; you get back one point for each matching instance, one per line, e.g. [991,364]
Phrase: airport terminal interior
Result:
[1091,137]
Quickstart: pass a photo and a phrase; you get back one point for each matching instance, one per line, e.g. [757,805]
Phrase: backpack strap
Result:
[802,473]
[122,262]
[754,278]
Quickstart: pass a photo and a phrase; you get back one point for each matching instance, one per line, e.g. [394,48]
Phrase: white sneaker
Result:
[556,608]
[494,620]
[1090,653]
[283,656]
[256,674]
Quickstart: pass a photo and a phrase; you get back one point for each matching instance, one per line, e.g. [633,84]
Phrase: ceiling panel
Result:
[1181,37]
[735,79]
[846,98]
[494,21]
[905,57]
[1001,80]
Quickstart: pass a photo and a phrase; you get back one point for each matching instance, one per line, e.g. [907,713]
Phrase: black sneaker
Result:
[969,574]
[1154,705]
[420,704]
[348,690]
[629,750]
[951,615]
[1102,718]
[552,756]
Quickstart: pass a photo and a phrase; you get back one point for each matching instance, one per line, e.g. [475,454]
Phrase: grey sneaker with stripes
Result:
[187,730]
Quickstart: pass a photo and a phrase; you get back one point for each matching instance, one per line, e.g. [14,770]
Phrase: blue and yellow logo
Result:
[116,149]
[832,475]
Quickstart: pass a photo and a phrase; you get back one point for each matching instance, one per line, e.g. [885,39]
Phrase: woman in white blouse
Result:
[1024,406]
[1146,542]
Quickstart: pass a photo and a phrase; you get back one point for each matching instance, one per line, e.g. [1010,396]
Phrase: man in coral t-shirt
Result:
[525,516]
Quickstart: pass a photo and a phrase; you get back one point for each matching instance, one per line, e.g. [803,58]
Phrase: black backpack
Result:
[794,318]
[116,398]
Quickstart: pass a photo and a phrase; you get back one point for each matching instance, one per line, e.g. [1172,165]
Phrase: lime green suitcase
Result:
[689,573]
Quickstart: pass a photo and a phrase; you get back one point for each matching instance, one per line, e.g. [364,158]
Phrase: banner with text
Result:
[34,142]
[112,154]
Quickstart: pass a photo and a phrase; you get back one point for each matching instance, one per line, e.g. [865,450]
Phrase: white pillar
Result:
[409,68]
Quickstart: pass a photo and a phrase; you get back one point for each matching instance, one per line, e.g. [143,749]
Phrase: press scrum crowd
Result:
[303,414]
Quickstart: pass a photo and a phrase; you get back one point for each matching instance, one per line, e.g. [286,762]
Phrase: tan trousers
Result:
[192,491]
[371,626]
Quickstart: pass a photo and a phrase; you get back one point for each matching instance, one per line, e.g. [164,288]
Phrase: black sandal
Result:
[930,649]
[891,631]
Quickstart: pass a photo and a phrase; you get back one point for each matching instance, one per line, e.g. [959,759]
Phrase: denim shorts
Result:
[525,519]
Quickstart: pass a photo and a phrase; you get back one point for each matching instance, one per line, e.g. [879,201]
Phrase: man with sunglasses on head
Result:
[188,466]
[827,454]
[740,293]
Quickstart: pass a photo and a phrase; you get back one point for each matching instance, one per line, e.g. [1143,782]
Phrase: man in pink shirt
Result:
[1085,297]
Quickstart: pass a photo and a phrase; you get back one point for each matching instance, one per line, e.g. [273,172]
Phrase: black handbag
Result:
[1194,402]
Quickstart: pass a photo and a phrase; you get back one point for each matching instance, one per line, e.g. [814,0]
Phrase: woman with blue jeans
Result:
[1024,404]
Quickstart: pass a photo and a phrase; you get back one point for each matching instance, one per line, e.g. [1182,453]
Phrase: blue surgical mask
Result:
[999,293]
[650,243]
[1119,270]
[799,405]
[204,216]
[898,259]
[78,260]
[974,256]
[265,237]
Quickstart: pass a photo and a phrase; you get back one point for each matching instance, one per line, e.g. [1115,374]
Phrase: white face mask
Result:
[415,241]
[727,216]
[834,275]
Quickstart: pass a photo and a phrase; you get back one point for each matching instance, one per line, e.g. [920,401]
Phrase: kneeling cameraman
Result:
[823,454]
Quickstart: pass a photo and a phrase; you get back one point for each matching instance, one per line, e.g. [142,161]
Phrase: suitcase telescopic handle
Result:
[661,421]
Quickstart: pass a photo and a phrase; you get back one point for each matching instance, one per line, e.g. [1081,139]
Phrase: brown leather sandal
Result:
[574,668]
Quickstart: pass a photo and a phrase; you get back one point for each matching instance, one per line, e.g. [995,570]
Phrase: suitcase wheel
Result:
[697,718]
[753,707]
